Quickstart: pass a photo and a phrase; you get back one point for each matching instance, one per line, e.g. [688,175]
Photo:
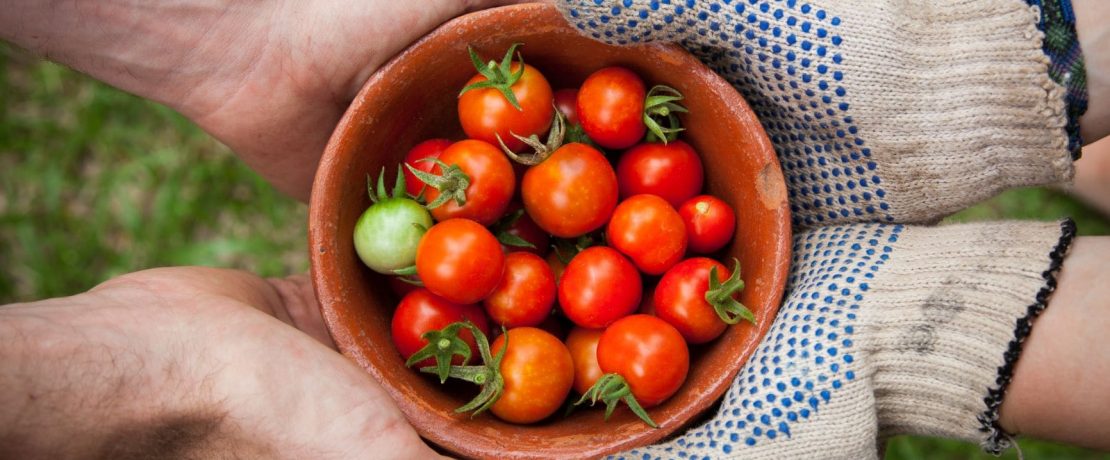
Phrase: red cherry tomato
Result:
[421,311]
[492,182]
[430,148]
[649,231]
[582,344]
[538,372]
[598,287]
[710,223]
[672,171]
[485,113]
[649,353]
[526,292]
[566,101]
[680,299]
[458,259]
[572,192]
[611,107]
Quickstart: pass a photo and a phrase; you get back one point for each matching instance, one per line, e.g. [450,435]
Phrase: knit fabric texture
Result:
[880,110]
[1061,45]
[834,380]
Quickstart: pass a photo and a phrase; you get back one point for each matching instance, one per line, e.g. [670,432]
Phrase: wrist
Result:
[1092,24]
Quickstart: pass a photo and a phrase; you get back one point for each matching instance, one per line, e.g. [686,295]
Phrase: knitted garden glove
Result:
[883,110]
[887,329]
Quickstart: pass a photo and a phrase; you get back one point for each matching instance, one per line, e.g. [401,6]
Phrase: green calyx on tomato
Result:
[661,110]
[541,150]
[442,346]
[722,296]
[575,133]
[611,389]
[501,231]
[451,183]
[486,375]
[498,76]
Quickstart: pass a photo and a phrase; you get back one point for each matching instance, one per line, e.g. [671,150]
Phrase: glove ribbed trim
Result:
[997,438]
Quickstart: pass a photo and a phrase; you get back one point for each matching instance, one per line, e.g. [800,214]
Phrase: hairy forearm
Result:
[74,385]
[1092,25]
[1061,386]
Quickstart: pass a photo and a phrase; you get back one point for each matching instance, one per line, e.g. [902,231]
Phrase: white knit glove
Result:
[887,329]
[882,111]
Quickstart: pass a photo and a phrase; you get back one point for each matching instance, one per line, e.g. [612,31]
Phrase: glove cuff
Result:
[956,307]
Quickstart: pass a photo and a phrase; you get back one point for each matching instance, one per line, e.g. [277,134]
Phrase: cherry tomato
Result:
[458,259]
[611,107]
[680,299]
[582,344]
[566,101]
[671,171]
[649,353]
[572,192]
[526,292]
[492,182]
[598,287]
[430,148]
[485,113]
[710,223]
[538,372]
[649,231]
[421,311]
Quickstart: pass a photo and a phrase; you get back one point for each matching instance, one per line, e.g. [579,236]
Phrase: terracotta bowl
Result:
[412,98]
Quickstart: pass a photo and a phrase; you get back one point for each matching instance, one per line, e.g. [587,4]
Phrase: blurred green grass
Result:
[96,183]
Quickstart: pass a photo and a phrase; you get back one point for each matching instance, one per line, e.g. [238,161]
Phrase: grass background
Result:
[95,183]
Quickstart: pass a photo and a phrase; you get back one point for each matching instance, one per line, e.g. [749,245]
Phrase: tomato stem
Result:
[662,102]
[540,150]
[498,76]
[611,389]
[379,194]
[451,183]
[722,295]
[442,346]
[487,375]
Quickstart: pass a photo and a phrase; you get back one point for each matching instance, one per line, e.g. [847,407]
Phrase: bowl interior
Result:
[413,98]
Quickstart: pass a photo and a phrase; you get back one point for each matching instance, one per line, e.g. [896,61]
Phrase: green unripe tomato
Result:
[387,233]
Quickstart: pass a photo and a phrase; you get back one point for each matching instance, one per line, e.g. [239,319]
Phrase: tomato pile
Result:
[566,238]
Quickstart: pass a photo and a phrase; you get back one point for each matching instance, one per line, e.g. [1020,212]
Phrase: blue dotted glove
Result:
[887,329]
[880,110]
[891,113]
